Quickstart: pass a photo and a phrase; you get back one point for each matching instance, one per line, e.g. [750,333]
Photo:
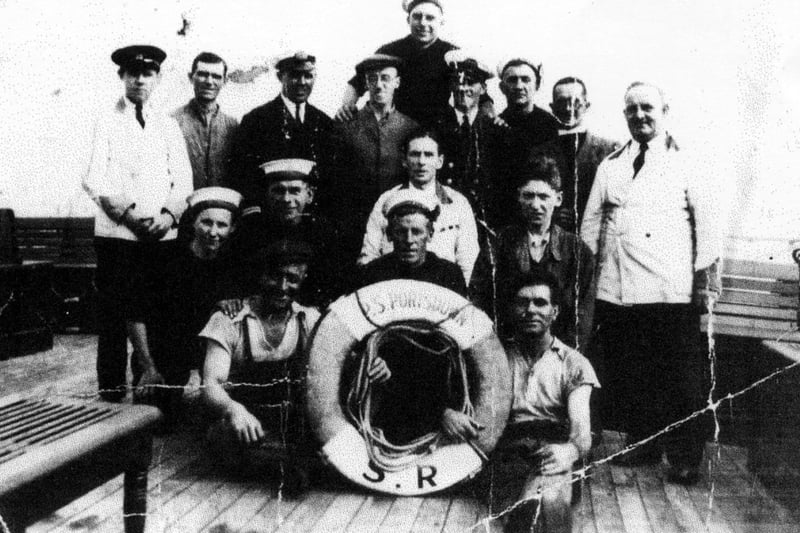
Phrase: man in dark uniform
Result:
[289,194]
[581,151]
[371,157]
[530,126]
[425,92]
[286,127]
[470,138]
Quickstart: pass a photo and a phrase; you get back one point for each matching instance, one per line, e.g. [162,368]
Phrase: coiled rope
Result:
[384,454]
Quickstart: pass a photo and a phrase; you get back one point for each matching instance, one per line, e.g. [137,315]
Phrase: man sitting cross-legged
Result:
[549,427]
[264,344]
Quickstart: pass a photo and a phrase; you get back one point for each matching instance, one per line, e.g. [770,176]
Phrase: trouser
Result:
[655,374]
[124,269]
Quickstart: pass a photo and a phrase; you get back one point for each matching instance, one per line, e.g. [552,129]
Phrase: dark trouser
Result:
[655,373]
[124,269]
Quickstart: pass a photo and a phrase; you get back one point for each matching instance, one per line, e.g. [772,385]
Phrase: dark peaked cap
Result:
[144,55]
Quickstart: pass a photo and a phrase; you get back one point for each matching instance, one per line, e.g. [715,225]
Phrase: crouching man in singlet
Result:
[254,370]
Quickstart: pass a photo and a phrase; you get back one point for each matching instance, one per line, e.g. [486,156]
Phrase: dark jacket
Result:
[565,256]
[433,270]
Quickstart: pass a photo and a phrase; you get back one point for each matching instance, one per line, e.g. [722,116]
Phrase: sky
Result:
[731,72]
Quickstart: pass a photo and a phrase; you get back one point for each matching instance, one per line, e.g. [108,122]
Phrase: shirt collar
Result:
[657,144]
[126,106]
[252,309]
[200,111]
[580,128]
[386,114]
[437,189]
[291,106]
[472,115]
[556,346]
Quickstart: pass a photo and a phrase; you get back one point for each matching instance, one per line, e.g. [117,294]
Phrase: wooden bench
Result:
[68,243]
[53,452]
[759,300]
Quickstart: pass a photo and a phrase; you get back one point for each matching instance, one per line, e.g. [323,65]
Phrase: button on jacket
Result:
[653,232]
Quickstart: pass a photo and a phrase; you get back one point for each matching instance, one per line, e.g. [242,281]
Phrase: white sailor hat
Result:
[520,60]
[294,60]
[408,5]
[288,169]
[465,65]
[411,196]
[209,197]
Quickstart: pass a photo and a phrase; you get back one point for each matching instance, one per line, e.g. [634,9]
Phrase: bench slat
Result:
[740,322]
[784,287]
[761,299]
[756,311]
[760,270]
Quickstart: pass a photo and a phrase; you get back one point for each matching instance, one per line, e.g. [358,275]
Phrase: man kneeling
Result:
[549,428]
[254,369]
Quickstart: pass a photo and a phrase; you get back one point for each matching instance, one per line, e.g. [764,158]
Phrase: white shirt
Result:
[455,235]
[146,166]
[653,232]
[537,244]
[293,110]
[472,114]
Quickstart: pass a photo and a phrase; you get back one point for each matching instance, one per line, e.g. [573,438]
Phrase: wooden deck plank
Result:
[462,515]
[303,518]
[241,511]
[273,512]
[371,514]
[607,513]
[340,513]
[631,505]
[401,516]
[165,464]
[584,513]
[431,515]
[663,518]
[205,513]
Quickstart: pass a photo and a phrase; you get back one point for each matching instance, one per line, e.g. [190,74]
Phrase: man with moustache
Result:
[139,176]
[652,222]
[581,151]
[371,147]
[207,130]
[287,127]
[425,91]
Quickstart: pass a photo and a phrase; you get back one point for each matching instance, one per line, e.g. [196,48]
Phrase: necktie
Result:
[297,113]
[465,127]
[139,116]
[638,163]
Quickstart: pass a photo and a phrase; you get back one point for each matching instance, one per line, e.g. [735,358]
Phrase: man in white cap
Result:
[425,91]
[411,215]
[289,195]
[139,176]
[286,127]
[371,156]
[163,327]
[455,235]
[471,138]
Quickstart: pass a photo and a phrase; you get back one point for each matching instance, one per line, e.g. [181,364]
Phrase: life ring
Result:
[351,319]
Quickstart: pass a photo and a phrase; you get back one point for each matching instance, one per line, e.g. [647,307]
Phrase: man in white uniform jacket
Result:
[653,225]
[139,176]
[455,235]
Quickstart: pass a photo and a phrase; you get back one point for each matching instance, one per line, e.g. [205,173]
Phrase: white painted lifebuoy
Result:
[352,318]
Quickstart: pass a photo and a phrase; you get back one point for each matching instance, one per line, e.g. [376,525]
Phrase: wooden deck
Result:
[187,494]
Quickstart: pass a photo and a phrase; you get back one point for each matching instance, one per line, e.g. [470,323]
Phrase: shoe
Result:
[638,457]
[683,475]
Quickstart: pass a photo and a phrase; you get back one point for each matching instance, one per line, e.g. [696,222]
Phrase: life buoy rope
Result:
[339,406]
[387,455]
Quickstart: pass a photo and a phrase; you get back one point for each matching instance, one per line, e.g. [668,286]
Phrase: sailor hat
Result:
[209,197]
[411,196]
[294,60]
[466,67]
[288,169]
[408,5]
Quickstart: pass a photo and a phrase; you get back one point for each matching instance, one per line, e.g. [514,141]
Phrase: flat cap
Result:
[293,60]
[208,197]
[464,66]
[141,55]
[289,169]
[408,5]
[411,196]
[378,61]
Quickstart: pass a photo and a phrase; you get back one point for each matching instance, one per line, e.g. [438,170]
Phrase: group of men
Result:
[572,242]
